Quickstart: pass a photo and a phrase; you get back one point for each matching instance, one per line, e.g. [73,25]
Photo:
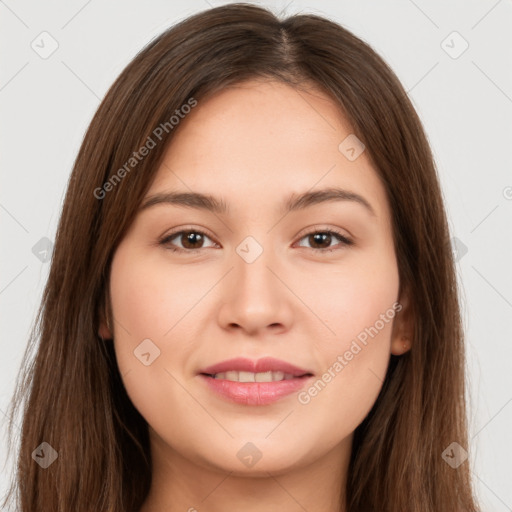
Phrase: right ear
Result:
[104,329]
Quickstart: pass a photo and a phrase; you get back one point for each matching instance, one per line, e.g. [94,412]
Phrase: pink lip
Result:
[255,393]
[265,364]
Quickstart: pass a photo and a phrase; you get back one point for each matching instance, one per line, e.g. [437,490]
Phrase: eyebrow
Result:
[218,205]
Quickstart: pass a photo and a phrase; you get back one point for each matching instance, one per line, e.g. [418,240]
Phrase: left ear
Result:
[403,326]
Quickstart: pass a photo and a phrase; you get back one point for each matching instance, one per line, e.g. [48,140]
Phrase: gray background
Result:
[464,101]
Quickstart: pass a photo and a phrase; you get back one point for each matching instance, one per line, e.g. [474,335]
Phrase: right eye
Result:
[193,237]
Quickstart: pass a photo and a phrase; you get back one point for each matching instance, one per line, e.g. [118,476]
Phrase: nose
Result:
[255,297]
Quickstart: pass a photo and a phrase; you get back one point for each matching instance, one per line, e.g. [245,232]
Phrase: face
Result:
[315,287]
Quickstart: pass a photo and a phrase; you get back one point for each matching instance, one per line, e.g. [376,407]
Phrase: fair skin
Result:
[253,145]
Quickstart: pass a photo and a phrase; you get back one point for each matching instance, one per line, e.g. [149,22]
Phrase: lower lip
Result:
[255,393]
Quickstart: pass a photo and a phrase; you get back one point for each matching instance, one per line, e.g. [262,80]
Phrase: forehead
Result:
[263,115]
[262,140]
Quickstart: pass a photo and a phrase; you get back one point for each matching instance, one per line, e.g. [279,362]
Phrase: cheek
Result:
[150,301]
[143,312]
[351,298]
[352,369]
[148,297]
[357,307]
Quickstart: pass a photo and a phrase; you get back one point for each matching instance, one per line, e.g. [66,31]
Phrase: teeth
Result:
[253,377]
[232,375]
[243,376]
[265,377]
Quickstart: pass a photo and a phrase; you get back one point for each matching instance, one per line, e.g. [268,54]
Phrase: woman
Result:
[252,300]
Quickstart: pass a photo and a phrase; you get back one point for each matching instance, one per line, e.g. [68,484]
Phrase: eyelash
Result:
[165,241]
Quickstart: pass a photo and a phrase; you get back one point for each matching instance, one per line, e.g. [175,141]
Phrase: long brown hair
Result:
[70,387]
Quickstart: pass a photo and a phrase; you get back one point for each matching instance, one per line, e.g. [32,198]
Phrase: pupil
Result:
[320,237]
[191,236]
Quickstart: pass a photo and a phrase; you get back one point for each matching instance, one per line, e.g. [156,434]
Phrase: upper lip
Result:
[265,364]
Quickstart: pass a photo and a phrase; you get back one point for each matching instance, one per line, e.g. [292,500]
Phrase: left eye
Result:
[190,238]
[321,237]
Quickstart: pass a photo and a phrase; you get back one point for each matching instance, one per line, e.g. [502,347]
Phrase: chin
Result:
[248,456]
[261,468]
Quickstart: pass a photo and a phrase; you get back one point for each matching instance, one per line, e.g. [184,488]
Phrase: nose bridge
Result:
[257,299]
[252,262]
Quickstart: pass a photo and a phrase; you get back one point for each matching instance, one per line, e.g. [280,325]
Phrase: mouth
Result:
[259,382]
[234,376]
